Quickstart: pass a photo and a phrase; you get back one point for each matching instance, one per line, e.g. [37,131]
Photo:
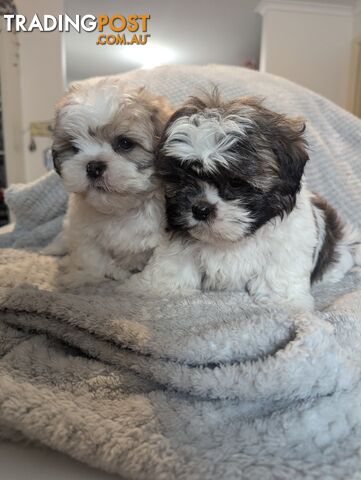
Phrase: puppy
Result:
[104,141]
[238,214]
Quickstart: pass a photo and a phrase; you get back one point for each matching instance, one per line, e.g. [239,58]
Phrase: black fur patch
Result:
[56,161]
[333,234]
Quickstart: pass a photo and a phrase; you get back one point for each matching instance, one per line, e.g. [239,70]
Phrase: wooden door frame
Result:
[11,107]
[355,78]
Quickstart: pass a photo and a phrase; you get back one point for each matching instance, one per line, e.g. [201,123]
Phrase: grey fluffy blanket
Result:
[205,387]
[202,387]
[39,209]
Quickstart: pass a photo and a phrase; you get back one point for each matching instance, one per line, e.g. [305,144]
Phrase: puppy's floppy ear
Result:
[290,147]
[159,108]
[58,133]
[56,162]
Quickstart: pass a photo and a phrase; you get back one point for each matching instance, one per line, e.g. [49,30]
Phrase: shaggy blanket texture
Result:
[204,387]
[39,209]
[195,388]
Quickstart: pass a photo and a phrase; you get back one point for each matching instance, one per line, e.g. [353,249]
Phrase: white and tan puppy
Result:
[104,142]
[238,214]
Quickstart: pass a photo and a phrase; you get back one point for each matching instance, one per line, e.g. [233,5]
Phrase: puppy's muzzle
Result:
[203,210]
[95,169]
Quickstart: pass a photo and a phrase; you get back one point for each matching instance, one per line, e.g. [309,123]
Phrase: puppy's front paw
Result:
[77,278]
[118,274]
[139,285]
[293,300]
[58,247]
[135,284]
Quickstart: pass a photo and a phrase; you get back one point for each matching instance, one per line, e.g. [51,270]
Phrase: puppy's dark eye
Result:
[74,149]
[123,144]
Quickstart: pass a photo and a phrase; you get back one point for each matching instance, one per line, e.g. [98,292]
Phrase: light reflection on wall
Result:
[187,32]
[149,56]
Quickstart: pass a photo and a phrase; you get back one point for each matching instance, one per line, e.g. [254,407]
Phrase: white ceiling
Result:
[186,31]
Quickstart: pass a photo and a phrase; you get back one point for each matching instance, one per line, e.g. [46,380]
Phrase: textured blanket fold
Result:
[39,209]
[196,387]
[193,388]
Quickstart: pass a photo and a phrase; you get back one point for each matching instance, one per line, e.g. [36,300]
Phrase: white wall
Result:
[41,79]
[357,19]
[195,31]
[310,48]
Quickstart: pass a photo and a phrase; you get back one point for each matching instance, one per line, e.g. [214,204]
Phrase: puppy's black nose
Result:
[202,210]
[95,169]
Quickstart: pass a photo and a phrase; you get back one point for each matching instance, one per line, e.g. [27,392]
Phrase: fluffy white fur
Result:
[110,245]
[205,139]
[113,223]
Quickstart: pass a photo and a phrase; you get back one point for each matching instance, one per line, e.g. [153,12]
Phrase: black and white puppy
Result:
[239,216]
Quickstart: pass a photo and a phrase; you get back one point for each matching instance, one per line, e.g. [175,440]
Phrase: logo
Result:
[125,30]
